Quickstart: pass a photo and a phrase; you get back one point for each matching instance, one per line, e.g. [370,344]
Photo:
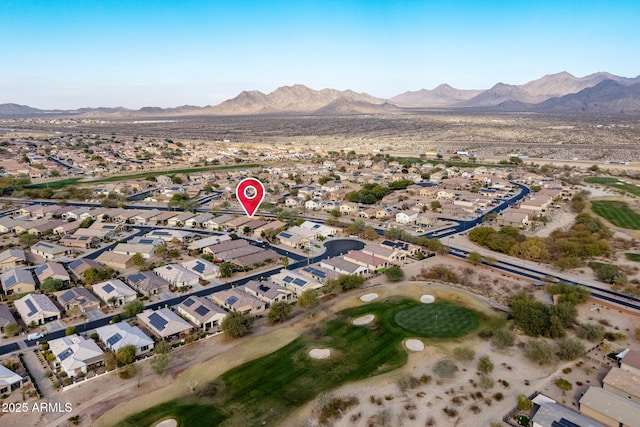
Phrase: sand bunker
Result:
[320,353]
[167,423]
[414,345]
[363,320]
[427,299]
[368,297]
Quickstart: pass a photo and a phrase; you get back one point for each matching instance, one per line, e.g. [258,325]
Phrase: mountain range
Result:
[598,93]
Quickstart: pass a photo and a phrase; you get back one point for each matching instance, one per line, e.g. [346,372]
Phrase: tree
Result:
[445,368]
[285,261]
[86,223]
[308,299]
[70,330]
[569,349]
[109,360]
[490,260]
[279,311]
[126,355]
[94,275]
[435,205]
[485,365]
[590,331]
[524,403]
[112,301]
[563,385]
[226,269]
[540,351]
[132,308]
[394,273]
[12,329]
[502,338]
[27,239]
[137,259]
[236,324]
[51,285]
[465,354]
[161,357]
[474,257]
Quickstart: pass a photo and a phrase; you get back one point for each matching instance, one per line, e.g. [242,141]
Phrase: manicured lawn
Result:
[187,411]
[438,320]
[266,390]
[614,183]
[632,257]
[617,213]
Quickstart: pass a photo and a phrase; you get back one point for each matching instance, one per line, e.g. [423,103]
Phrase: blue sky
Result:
[71,54]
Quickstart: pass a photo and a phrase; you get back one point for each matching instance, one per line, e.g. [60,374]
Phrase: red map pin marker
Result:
[250,193]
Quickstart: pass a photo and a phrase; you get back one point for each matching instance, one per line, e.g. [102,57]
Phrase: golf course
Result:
[266,390]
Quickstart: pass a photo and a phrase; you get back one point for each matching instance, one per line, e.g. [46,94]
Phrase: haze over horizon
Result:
[67,55]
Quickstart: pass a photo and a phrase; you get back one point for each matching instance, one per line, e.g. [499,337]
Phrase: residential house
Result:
[202,312]
[37,309]
[179,220]
[168,235]
[118,335]
[164,323]
[257,257]
[297,282]
[623,383]
[387,253]
[148,283]
[75,354]
[199,221]
[550,414]
[267,292]
[343,266]
[114,292]
[49,250]
[198,245]
[9,381]
[371,262]
[100,230]
[76,301]
[204,269]
[271,226]
[78,266]
[17,281]
[609,408]
[79,242]
[52,270]
[177,275]
[6,317]
[406,217]
[145,250]
[631,362]
[236,300]
[318,230]
[116,260]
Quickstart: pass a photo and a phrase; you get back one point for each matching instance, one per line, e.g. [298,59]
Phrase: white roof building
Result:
[118,335]
[177,275]
[75,353]
[114,289]
[203,268]
[164,323]
[37,308]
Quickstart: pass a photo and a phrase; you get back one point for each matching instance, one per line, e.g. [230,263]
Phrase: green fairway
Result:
[617,213]
[614,183]
[56,185]
[265,390]
[632,257]
[438,320]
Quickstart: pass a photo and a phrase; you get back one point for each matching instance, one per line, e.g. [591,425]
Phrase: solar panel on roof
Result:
[199,267]
[40,269]
[114,339]
[299,282]
[188,302]
[84,238]
[62,356]
[263,287]
[32,308]
[107,288]
[75,263]
[287,279]
[136,277]
[67,296]
[157,321]
[285,235]
[202,310]
[12,280]
[232,300]
[564,423]
[46,245]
